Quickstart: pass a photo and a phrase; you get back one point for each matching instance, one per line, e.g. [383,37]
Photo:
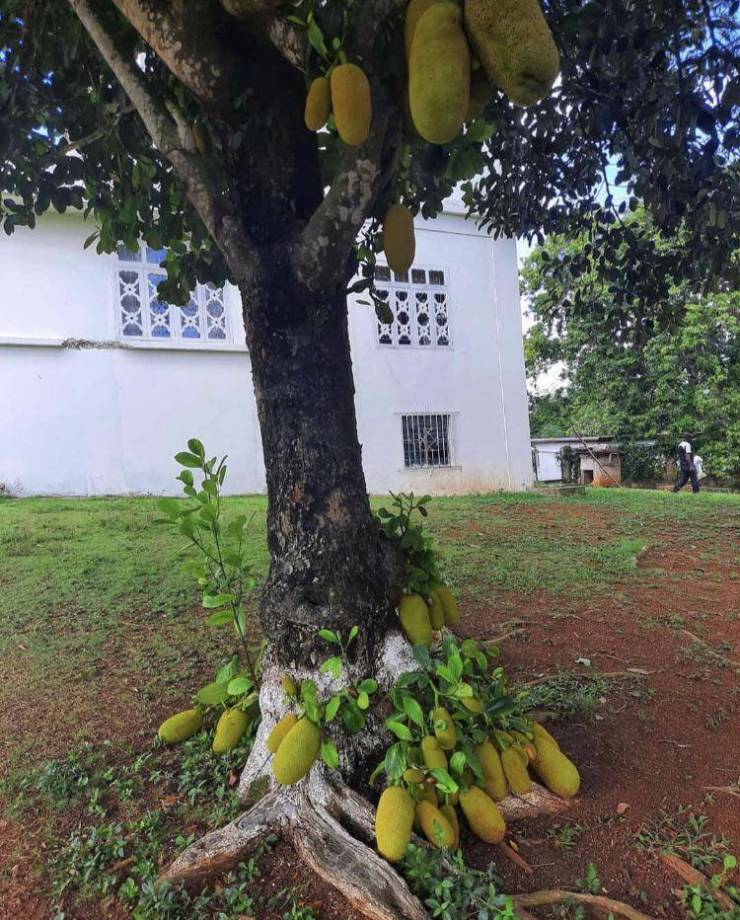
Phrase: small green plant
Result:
[420,556]
[590,883]
[702,902]
[568,693]
[684,834]
[566,836]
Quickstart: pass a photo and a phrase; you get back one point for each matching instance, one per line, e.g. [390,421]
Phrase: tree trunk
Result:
[329,564]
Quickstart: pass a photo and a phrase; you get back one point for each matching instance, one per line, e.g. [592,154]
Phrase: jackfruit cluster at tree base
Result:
[419,620]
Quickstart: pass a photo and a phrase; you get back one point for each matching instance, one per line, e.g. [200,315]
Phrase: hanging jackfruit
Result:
[229,730]
[556,771]
[180,726]
[449,605]
[484,818]
[514,762]
[436,828]
[449,812]
[439,74]
[412,776]
[280,730]
[446,734]
[394,820]
[434,757]
[297,752]
[350,99]
[414,615]
[414,11]
[318,104]
[496,785]
[480,92]
[515,46]
[539,731]
[399,242]
[436,610]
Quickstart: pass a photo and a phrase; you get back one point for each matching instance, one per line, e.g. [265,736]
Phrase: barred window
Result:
[144,316]
[419,303]
[427,440]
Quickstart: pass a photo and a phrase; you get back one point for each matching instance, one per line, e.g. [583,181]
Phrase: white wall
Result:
[107,419]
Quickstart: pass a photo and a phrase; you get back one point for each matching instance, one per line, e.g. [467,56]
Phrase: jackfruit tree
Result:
[199,126]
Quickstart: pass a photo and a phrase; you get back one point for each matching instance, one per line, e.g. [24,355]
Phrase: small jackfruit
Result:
[297,752]
[469,648]
[434,757]
[556,771]
[449,812]
[181,726]
[495,784]
[212,694]
[539,731]
[436,828]
[472,704]
[484,818]
[394,820]
[439,74]
[414,615]
[515,46]
[449,605]
[426,792]
[350,99]
[412,776]
[436,610]
[318,104]
[480,92]
[279,731]
[399,241]
[229,730]
[444,729]
[514,761]
[414,11]
[289,686]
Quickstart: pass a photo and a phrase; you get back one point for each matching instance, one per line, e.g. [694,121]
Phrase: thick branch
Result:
[184,34]
[556,896]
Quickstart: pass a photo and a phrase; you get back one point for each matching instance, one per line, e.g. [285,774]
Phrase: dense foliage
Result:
[634,370]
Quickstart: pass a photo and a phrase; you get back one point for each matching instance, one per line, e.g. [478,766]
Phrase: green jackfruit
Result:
[449,812]
[539,731]
[495,785]
[469,648]
[180,726]
[484,818]
[297,752]
[514,761]
[414,11]
[426,792]
[515,46]
[444,729]
[439,74]
[350,98]
[289,686]
[414,615]
[472,704]
[413,776]
[437,829]
[449,605]
[318,104]
[394,820]
[434,757]
[229,730]
[280,730]
[399,241]
[555,770]
[212,694]
[436,611]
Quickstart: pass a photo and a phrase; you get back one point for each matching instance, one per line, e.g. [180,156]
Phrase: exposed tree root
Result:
[555,896]
[694,877]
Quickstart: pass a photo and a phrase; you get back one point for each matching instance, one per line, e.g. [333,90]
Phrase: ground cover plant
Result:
[99,782]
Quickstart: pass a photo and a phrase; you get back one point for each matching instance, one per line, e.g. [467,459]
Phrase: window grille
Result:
[427,440]
[419,302]
[144,316]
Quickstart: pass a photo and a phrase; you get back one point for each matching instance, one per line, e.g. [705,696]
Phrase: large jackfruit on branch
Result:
[436,828]
[436,610]
[439,74]
[556,771]
[484,818]
[181,726]
[414,11]
[449,812]
[297,752]
[350,99]
[414,616]
[394,820]
[229,730]
[449,605]
[434,757]
[496,785]
[318,104]
[399,240]
[280,730]
[444,729]
[515,761]
[515,46]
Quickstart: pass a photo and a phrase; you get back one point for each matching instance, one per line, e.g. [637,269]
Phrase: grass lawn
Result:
[101,636]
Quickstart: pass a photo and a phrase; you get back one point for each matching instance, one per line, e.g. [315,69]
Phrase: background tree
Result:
[185,118]
[634,368]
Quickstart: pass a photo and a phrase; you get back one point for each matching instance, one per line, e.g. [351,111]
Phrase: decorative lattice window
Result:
[419,302]
[427,440]
[144,316]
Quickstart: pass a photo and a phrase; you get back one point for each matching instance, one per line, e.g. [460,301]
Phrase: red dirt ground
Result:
[650,745]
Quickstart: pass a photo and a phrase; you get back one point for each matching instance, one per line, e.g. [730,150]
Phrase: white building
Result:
[101,384]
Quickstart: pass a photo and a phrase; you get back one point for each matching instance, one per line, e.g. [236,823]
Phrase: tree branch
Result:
[184,34]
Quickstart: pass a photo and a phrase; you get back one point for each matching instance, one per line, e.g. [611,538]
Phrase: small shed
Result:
[592,460]
[601,467]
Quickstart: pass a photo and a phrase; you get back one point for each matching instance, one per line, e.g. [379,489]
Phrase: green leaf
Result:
[353,633]
[329,754]
[227,671]
[369,685]
[363,701]
[239,685]
[219,618]
[395,762]
[399,730]
[217,600]
[352,719]
[332,708]
[413,710]
[332,666]
[329,636]
[445,782]
[186,459]
[170,506]
[316,39]
[458,762]
[196,447]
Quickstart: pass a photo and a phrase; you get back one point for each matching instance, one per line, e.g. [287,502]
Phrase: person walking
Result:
[686,467]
